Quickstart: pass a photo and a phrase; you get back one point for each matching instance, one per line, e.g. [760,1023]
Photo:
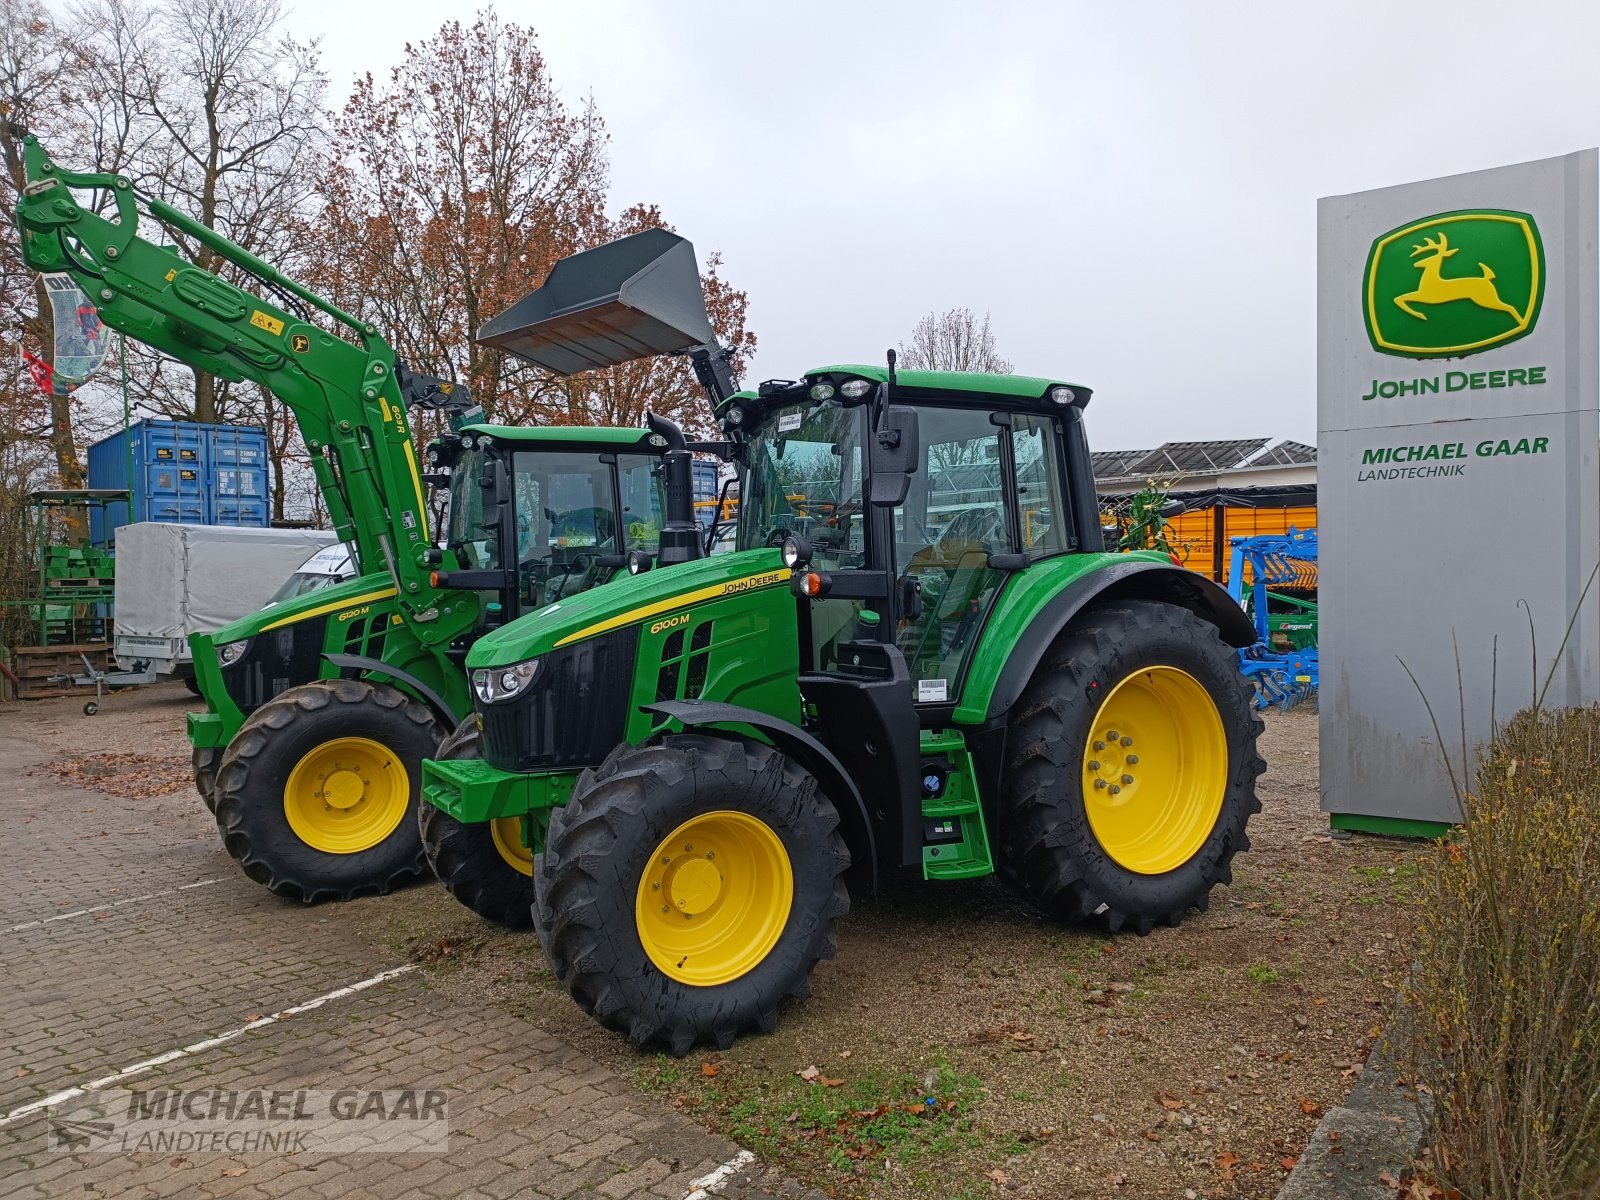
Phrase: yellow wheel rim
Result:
[507,834]
[714,898]
[346,795]
[1155,770]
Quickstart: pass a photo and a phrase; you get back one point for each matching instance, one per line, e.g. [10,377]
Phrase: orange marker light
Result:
[811,583]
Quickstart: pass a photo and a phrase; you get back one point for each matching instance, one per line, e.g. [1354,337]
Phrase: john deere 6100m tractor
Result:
[322,708]
[919,656]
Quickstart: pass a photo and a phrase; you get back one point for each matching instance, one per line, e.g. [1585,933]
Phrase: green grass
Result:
[862,1123]
[1262,973]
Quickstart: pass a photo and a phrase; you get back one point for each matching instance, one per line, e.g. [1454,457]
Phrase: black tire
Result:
[206,761]
[465,857]
[602,840]
[193,684]
[253,779]
[1048,848]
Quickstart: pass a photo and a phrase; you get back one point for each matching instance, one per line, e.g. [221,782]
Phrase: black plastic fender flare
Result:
[804,749]
[375,666]
[1135,580]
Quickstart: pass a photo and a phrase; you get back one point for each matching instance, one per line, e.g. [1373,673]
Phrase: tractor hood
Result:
[629,600]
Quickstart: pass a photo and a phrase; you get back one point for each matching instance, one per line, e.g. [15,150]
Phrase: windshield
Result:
[471,532]
[324,569]
[804,477]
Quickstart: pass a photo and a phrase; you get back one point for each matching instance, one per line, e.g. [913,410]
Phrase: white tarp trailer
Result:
[174,580]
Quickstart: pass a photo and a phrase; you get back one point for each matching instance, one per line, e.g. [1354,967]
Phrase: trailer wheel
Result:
[1132,770]
[689,887]
[206,760]
[317,792]
[484,865]
[90,708]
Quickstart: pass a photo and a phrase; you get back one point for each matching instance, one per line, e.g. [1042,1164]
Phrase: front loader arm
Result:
[345,390]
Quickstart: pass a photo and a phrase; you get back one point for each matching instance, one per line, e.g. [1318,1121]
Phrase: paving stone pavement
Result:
[127,934]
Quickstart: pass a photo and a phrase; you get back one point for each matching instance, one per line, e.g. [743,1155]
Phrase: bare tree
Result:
[225,113]
[956,340]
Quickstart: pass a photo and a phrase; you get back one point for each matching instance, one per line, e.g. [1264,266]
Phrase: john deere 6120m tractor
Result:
[919,656]
[322,708]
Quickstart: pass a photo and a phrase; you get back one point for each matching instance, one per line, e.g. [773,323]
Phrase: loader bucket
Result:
[635,297]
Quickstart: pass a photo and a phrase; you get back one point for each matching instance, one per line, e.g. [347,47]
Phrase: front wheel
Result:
[1132,769]
[689,887]
[317,793]
[488,866]
[206,760]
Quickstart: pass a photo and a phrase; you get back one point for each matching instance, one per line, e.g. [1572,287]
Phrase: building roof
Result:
[1201,458]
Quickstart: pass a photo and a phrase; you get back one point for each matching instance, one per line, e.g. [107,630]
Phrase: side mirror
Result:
[895,453]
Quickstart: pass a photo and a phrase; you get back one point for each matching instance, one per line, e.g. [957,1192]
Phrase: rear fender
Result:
[1135,579]
[806,750]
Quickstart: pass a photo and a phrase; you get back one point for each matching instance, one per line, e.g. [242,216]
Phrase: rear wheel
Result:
[206,761]
[1132,771]
[487,865]
[688,888]
[317,792]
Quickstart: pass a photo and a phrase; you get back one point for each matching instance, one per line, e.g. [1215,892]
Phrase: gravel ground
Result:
[1060,1063]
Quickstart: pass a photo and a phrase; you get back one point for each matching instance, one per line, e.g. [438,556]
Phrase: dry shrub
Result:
[1507,985]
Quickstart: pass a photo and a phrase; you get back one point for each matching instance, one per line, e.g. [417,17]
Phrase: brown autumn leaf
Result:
[1319,1001]
[998,1176]
[1150,1135]
[825,1081]
[1170,1102]
[1287,1162]
[710,1070]
[1310,1107]
[809,1074]
[1227,1160]
[178,1162]
[234,1172]
[1022,1036]
[21,1071]
[1388,1180]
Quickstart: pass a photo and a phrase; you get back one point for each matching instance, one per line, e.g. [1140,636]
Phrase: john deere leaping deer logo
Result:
[1423,301]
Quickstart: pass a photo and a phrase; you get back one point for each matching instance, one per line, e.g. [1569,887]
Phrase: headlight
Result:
[232,652]
[495,684]
[1063,395]
[796,552]
[855,388]
[734,415]
[822,391]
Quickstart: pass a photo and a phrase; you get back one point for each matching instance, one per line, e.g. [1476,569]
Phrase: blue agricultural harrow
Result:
[1274,578]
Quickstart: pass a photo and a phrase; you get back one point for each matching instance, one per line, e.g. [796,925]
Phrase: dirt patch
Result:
[144,720]
[129,775]
[978,1049]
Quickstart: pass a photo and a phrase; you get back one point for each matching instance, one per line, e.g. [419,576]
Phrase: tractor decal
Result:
[328,608]
[686,599]
[1421,300]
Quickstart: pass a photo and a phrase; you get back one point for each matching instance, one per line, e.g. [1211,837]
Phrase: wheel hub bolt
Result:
[656,886]
[1127,779]
[1094,764]
[710,854]
[1111,736]
[1115,789]
[1099,783]
[1099,745]
[1133,760]
[665,908]
[1127,741]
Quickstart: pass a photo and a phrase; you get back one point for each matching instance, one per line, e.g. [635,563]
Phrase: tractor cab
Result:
[907,506]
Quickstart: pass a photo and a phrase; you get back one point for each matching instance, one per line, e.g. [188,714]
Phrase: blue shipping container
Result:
[705,488]
[183,473]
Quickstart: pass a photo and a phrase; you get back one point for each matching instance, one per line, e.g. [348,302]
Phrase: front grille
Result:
[275,661]
[574,714]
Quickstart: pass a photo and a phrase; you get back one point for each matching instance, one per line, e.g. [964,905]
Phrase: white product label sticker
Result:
[932,691]
[789,422]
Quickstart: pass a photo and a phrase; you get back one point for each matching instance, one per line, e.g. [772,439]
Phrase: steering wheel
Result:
[980,525]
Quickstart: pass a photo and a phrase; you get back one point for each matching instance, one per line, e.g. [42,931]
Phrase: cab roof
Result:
[563,437]
[1028,387]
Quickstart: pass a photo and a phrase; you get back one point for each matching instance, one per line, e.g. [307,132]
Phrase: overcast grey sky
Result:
[1129,188]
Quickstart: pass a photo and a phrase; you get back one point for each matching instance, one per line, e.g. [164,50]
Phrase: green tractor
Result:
[321,708]
[918,656]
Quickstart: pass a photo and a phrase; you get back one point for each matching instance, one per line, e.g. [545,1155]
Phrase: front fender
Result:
[804,749]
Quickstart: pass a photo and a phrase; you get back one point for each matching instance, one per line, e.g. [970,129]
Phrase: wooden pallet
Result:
[74,582]
[36,667]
